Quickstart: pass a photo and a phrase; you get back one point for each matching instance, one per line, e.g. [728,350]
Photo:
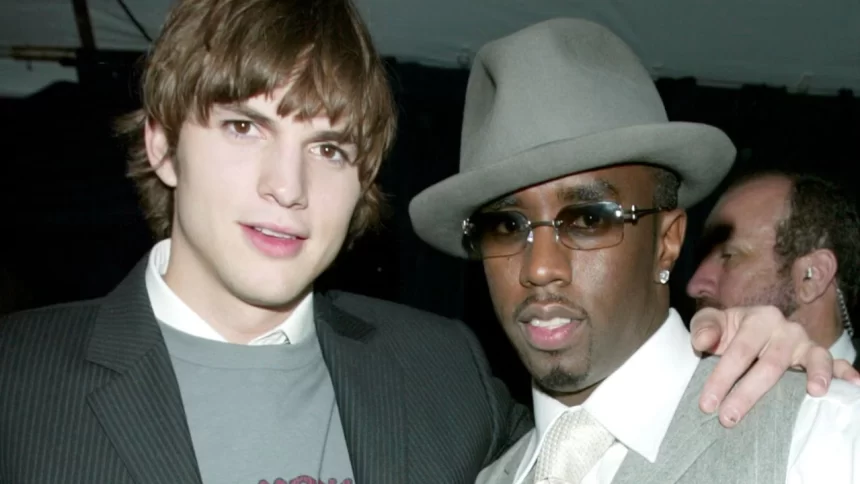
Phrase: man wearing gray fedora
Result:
[572,190]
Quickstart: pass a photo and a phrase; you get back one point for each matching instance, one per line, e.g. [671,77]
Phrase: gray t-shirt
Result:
[260,414]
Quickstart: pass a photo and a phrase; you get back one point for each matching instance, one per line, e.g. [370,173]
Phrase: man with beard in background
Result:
[787,240]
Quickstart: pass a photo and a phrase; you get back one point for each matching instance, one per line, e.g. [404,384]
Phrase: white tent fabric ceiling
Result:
[807,46]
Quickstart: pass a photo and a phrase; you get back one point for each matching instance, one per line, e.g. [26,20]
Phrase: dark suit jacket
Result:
[88,394]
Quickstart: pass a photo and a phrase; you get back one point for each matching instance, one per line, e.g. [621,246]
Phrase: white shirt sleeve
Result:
[825,447]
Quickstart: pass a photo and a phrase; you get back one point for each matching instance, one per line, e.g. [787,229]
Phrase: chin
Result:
[276,292]
[562,380]
[558,373]
[275,301]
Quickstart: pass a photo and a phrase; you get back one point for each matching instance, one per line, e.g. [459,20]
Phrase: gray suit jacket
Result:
[504,470]
[88,394]
[697,449]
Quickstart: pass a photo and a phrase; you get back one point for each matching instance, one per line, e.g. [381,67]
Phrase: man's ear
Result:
[670,238]
[813,273]
[158,152]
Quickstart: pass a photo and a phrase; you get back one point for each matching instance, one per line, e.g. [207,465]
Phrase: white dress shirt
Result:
[637,409]
[172,311]
[843,349]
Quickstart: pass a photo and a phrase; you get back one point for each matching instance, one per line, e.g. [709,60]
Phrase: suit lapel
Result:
[689,435]
[516,457]
[504,469]
[692,443]
[369,389]
[141,408]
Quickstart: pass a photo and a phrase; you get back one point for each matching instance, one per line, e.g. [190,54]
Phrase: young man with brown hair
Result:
[264,123]
[263,126]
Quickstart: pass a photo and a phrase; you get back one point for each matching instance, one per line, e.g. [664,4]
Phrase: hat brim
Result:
[701,155]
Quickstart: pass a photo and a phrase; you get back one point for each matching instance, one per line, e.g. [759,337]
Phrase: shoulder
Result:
[42,354]
[393,317]
[441,342]
[839,407]
[47,326]
[791,386]
[771,413]
[826,440]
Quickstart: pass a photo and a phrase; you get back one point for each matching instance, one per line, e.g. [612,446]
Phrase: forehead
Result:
[623,183]
[754,207]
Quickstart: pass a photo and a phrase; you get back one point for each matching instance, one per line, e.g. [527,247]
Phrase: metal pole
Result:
[85,26]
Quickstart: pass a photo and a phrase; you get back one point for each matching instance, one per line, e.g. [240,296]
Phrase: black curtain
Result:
[72,228]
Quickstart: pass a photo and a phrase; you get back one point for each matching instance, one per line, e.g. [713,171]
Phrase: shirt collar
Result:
[637,402]
[843,348]
[172,311]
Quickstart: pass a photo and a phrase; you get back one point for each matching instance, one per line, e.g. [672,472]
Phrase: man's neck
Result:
[648,325]
[821,323]
[236,320]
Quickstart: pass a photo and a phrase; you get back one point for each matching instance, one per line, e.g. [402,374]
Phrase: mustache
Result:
[707,302]
[546,298]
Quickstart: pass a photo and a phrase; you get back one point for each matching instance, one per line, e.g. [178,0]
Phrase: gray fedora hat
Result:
[561,97]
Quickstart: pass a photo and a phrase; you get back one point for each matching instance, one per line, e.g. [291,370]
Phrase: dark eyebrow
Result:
[596,191]
[334,136]
[250,113]
[264,121]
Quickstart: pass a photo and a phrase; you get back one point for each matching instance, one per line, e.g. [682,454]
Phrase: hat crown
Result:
[553,81]
[558,98]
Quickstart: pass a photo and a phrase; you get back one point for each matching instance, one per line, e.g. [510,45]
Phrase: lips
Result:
[551,327]
[277,231]
[549,314]
[275,241]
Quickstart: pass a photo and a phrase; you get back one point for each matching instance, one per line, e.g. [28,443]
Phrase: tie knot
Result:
[578,423]
[571,447]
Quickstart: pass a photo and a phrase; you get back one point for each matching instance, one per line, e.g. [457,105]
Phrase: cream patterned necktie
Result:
[573,445]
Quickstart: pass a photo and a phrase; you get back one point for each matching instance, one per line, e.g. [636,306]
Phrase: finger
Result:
[706,337]
[752,387]
[773,361]
[819,368]
[739,355]
[707,330]
[843,370]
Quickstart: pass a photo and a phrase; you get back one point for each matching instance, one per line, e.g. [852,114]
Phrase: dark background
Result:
[72,229]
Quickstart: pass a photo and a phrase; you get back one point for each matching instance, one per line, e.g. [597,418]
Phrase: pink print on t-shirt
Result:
[306,480]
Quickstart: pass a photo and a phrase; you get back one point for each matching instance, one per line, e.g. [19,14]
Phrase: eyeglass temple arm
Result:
[634,214]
